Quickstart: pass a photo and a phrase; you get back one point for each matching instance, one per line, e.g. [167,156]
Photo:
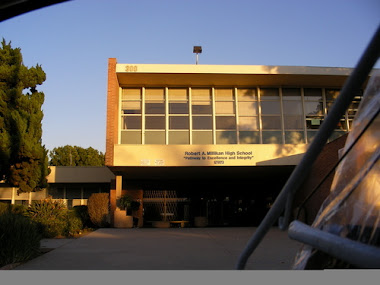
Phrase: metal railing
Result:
[285,198]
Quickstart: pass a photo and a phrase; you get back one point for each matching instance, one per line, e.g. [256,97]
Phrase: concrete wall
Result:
[208,155]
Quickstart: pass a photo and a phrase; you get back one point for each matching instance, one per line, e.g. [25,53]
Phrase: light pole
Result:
[197,50]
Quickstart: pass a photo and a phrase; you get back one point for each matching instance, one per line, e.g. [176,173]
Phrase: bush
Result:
[98,209]
[19,239]
[15,209]
[82,213]
[74,224]
[51,217]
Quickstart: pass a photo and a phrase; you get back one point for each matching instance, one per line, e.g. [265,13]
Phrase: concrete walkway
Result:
[165,249]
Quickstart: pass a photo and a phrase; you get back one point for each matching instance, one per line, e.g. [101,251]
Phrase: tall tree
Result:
[76,156]
[23,158]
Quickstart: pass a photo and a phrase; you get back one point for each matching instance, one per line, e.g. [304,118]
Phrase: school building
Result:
[213,144]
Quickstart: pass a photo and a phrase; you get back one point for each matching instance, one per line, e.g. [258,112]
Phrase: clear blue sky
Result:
[73,41]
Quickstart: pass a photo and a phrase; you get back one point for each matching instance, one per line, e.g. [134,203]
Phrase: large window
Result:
[293,116]
[213,115]
[225,118]
[248,123]
[271,115]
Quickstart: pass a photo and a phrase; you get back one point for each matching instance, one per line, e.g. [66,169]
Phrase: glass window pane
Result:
[294,137]
[311,135]
[73,192]
[155,122]
[226,137]
[225,123]
[202,137]
[273,137]
[176,137]
[332,94]
[291,93]
[179,108]
[224,107]
[131,137]
[313,123]
[202,123]
[270,107]
[89,190]
[201,107]
[313,108]
[177,94]
[131,94]
[271,123]
[155,107]
[312,92]
[248,124]
[293,122]
[248,109]
[177,122]
[154,94]
[131,123]
[249,137]
[131,107]
[200,94]
[269,93]
[247,94]
[155,137]
[292,107]
[56,192]
[224,95]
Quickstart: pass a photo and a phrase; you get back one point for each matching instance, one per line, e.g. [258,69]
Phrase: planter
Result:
[200,222]
[121,220]
[161,224]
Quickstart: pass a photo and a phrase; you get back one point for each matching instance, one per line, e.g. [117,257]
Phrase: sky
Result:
[72,41]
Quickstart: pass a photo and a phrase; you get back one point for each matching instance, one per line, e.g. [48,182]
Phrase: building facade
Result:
[211,140]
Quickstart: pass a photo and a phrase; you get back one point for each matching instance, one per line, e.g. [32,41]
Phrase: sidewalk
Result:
[165,249]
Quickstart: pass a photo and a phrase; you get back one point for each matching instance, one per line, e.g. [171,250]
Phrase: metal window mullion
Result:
[213,115]
[259,114]
[190,117]
[282,116]
[142,115]
[236,115]
[119,127]
[166,97]
[304,114]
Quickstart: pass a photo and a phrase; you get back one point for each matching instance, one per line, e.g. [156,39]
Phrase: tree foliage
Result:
[23,158]
[76,156]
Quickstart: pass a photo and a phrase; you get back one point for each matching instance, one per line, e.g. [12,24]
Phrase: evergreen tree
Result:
[23,158]
[76,156]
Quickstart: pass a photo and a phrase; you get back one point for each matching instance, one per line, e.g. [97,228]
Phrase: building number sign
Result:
[131,68]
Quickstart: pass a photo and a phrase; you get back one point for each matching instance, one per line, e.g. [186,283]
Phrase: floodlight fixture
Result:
[197,50]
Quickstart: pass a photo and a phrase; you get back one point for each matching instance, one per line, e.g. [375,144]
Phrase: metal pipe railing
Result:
[352,85]
[353,252]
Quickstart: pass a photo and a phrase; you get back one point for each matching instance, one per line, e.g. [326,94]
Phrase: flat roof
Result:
[132,74]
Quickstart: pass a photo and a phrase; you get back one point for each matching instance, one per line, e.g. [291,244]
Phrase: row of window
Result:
[226,115]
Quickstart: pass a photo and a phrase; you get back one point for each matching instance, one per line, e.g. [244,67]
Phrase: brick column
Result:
[112,111]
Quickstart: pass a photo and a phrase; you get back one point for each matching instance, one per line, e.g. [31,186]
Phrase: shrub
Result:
[74,223]
[15,209]
[19,239]
[51,217]
[98,209]
[82,213]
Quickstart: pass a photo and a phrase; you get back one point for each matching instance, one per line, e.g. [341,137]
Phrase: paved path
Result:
[165,249]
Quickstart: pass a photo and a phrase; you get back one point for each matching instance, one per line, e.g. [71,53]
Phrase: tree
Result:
[76,156]
[23,158]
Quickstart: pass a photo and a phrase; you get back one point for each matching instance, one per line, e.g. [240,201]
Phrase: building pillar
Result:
[119,188]
[13,198]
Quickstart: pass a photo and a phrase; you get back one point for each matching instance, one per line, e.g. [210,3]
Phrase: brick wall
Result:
[112,113]
[324,163]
